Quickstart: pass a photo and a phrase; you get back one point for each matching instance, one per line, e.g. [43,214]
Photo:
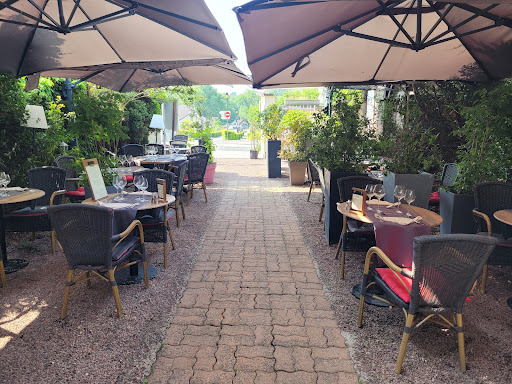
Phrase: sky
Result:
[223,11]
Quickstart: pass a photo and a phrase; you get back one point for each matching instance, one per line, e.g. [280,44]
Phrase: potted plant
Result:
[204,133]
[296,131]
[270,122]
[340,143]
[407,147]
[484,154]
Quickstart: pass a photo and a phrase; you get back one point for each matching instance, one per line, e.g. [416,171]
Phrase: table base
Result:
[14,265]
[375,290]
[509,302]
[128,276]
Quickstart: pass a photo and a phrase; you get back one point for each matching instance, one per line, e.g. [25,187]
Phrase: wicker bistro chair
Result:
[132,150]
[183,138]
[356,235]
[35,218]
[448,178]
[198,149]
[324,192]
[85,235]
[154,225]
[159,147]
[74,193]
[489,198]
[195,174]
[180,171]
[313,177]
[445,269]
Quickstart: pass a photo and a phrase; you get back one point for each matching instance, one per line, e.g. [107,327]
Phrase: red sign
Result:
[227,114]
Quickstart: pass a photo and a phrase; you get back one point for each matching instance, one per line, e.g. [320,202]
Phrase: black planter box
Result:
[333,219]
[457,212]
[273,162]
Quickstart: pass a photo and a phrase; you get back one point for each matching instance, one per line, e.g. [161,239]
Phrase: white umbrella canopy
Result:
[42,35]
[133,77]
[294,43]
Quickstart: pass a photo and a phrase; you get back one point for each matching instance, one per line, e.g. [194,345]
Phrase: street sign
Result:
[227,114]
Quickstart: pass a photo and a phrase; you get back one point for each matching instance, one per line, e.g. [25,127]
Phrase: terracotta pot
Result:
[210,173]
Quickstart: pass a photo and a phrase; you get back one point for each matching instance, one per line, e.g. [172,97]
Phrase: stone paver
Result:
[254,310]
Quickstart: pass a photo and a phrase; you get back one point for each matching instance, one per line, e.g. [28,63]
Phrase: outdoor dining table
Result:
[160,159]
[14,195]
[124,214]
[396,240]
[505,216]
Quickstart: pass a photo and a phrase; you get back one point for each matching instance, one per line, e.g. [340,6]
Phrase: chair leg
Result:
[183,209]
[172,239]
[460,336]
[33,238]
[165,254]
[321,212]
[310,189]
[403,345]
[2,273]
[189,193]
[484,279]
[115,290]
[53,242]
[204,190]
[145,268]
[177,206]
[69,281]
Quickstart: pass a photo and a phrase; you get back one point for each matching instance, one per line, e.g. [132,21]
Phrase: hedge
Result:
[231,135]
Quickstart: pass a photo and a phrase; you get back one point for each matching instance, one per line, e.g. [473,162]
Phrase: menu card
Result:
[92,169]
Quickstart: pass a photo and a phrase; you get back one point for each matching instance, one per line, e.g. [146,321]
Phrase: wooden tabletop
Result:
[25,195]
[505,216]
[428,217]
[148,205]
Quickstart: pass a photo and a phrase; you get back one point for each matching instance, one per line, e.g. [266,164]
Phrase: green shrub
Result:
[231,135]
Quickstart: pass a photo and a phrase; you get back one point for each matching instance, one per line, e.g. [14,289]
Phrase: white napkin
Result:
[399,220]
[392,205]
[115,205]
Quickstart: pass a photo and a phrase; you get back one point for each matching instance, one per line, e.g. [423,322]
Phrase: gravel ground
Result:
[93,346]
[431,355]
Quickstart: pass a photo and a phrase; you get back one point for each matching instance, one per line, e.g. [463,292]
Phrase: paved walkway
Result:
[254,310]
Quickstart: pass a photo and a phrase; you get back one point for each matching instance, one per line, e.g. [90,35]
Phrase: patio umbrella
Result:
[292,43]
[128,77]
[41,35]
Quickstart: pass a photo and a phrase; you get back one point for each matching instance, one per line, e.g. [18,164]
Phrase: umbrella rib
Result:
[127,80]
[52,28]
[441,19]
[429,44]
[44,13]
[498,19]
[103,19]
[481,65]
[38,20]
[72,14]
[400,26]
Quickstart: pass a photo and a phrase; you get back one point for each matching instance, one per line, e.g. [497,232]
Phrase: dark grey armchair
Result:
[195,174]
[85,235]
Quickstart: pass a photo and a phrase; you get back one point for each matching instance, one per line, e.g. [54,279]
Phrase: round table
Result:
[505,216]
[135,273]
[15,195]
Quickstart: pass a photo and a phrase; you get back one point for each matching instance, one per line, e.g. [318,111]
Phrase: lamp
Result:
[36,119]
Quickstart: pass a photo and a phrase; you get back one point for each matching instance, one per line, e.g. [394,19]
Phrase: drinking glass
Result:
[143,185]
[379,191]
[5,183]
[136,181]
[399,193]
[2,182]
[410,196]
[115,182]
[369,192]
[122,184]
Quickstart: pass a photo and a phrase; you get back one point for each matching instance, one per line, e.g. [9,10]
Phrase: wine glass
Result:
[399,193]
[116,182]
[410,196]
[136,181]
[2,182]
[143,185]
[370,193]
[5,183]
[379,191]
[122,184]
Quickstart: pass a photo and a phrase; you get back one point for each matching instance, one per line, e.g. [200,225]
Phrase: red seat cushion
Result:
[129,178]
[393,282]
[80,192]
[434,198]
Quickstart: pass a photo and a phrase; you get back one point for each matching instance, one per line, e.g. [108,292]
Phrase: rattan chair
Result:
[195,174]
[445,270]
[448,178]
[198,149]
[74,193]
[356,235]
[180,170]
[489,198]
[154,225]
[313,177]
[35,218]
[132,150]
[2,273]
[324,191]
[159,147]
[85,235]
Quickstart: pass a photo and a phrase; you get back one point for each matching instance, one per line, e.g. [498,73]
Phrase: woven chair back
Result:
[313,175]
[197,163]
[48,179]
[449,175]
[85,233]
[489,198]
[180,172]
[320,172]
[198,149]
[345,185]
[159,147]
[132,150]
[445,268]
[180,138]
[152,175]
[66,162]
